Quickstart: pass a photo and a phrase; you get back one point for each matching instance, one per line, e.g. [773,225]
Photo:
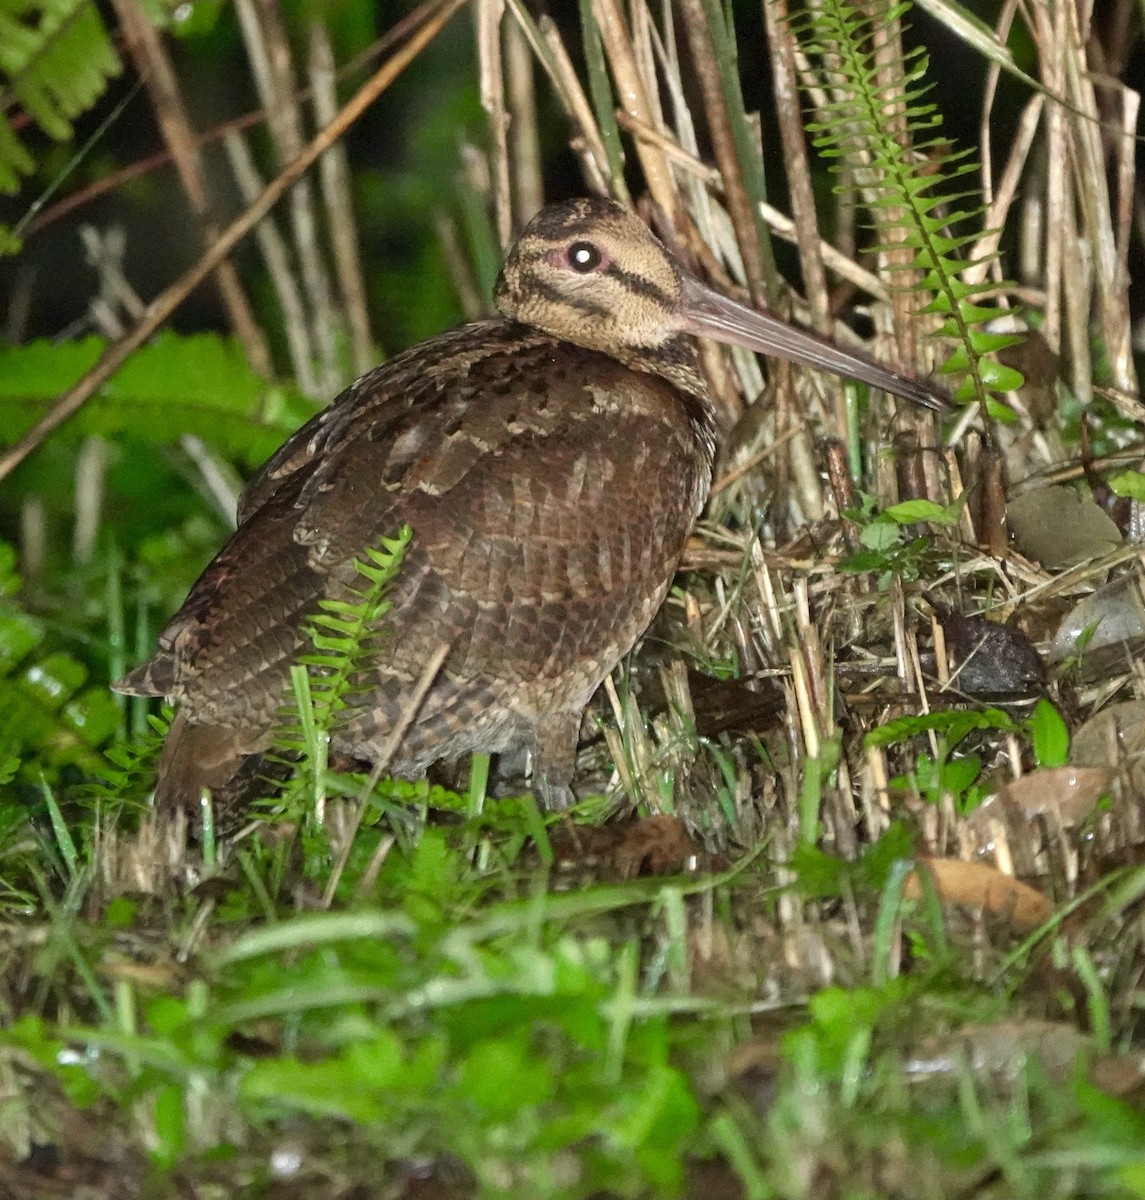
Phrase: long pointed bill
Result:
[707,313]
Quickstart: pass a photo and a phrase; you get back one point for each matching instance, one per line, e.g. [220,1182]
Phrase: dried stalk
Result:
[277,258]
[334,175]
[269,52]
[155,68]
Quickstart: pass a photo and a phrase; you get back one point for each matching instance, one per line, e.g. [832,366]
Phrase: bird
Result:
[549,463]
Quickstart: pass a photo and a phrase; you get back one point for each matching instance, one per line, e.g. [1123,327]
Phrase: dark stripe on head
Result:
[544,290]
[640,285]
[575,216]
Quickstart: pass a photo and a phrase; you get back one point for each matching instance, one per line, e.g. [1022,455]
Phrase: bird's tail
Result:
[197,756]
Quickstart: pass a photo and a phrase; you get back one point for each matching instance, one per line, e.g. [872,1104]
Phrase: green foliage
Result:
[55,61]
[344,632]
[913,177]
[50,716]
[821,875]
[1130,484]
[884,536]
[505,1038]
[345,635]
[199,384]
[957,777]
[1049,735]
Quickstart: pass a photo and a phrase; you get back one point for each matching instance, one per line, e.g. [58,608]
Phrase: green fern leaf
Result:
[55,62]
[344,633]
[891,141]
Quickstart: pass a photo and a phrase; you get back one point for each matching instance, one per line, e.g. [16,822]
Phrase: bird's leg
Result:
[553,757]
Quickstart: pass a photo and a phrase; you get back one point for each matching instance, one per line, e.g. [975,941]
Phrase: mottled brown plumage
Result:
[550,465]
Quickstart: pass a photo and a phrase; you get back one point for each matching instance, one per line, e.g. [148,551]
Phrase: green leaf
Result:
[910,511]
[880,535]
[170,1125]
[1130,484]
[55,62]
[1050,735]
[327,1088]
[1000,378]
[500,1077]
[820,874]
[954,723]
[200,384]
[20,634]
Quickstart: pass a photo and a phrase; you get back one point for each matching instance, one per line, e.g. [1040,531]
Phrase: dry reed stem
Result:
[632,90]
[276,256]
[155,68]
[588,143]
[700,40]
[525,142]
[461,274]
[798,170]
[337,195]
[268,48]
[488,14]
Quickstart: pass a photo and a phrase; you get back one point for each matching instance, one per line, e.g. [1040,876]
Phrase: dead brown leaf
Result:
[982,886]
[1068,793]
[657,845]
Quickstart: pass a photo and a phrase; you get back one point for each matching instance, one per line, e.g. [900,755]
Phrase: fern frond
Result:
[344,634]
[55,61]
[889,137]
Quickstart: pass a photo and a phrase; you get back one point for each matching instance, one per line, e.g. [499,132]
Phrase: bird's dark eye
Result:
[584,257]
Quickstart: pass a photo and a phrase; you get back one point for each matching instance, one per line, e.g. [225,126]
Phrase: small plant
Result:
[912,178]
[51,716]
[344,632]
[889,549]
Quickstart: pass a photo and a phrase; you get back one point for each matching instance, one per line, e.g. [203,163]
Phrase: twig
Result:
[143,166]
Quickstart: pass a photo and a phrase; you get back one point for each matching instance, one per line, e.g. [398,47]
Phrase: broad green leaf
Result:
[175,385]
[1050,735]
[1130,484]
[879,535]
[909,511]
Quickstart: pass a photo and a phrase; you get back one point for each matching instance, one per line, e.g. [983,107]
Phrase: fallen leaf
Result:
[623,850]
[1112,623]
[981,886]
[1070,793]
[1114,738]
[1006,825]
